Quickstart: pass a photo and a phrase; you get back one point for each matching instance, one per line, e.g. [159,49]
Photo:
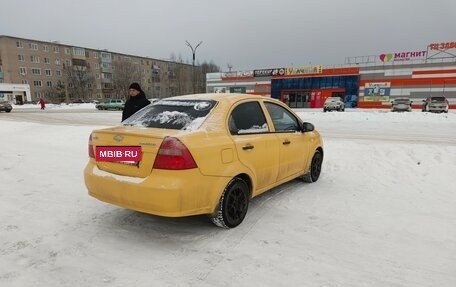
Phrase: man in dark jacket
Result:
[136,101]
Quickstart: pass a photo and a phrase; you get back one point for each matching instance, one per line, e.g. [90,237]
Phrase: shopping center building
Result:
[363,81]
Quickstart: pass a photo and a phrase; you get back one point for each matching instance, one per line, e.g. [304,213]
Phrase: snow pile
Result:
[381,214]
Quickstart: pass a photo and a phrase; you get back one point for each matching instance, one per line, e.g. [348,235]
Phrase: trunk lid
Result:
[149,139]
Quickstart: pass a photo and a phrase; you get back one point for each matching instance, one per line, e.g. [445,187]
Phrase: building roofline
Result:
[98,50]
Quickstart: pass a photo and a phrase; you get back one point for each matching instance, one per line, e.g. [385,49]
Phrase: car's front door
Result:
[293,143]
[256,146]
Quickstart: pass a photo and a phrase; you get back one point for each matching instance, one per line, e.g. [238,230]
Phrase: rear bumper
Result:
[164,193]
[401,109]
[331,108]
[437,108]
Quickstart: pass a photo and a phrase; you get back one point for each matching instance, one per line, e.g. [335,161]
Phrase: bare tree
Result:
[56,93]
[124,73]
[183,79]
[202,70]
[80,81]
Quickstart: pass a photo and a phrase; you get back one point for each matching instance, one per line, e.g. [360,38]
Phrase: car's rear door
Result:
[256,146]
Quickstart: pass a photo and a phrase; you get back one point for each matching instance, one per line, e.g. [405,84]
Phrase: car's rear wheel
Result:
[315,168]
[233,204]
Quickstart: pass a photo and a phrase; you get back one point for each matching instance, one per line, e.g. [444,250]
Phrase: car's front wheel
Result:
[233,204]
[315,168]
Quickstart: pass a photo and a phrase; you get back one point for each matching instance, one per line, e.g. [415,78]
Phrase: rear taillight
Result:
[91,153]
[174,155]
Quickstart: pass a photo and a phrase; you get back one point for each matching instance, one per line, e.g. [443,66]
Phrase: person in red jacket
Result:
[42,103]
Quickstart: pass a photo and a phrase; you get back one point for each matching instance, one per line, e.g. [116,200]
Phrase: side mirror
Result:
[307,127]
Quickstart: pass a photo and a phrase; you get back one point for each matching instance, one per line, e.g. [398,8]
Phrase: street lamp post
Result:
[193,61]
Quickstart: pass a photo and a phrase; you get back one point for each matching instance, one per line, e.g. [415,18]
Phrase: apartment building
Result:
[62,72]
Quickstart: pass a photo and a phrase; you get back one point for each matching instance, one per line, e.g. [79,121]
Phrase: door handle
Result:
[247,147]
[286,142]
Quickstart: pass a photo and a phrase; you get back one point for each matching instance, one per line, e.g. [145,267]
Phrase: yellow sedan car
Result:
[201,154]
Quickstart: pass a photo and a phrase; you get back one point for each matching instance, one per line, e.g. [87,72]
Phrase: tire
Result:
[8,111]
[315,168]
[233,204]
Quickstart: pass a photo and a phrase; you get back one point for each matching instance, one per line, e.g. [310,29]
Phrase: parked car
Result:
[201,154]
[79,101]
[403,104]
[111,104]
[5,106]
[435,104]
[334,103]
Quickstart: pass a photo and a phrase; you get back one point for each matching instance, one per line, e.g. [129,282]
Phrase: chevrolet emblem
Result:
[118,138]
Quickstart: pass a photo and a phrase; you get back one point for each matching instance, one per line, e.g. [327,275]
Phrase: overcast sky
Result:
[248,34]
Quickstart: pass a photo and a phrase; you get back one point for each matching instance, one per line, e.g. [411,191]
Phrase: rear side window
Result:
[247,118]
[172,114]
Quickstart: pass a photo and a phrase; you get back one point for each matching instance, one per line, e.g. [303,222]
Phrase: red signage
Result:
[118,153]
[442,46]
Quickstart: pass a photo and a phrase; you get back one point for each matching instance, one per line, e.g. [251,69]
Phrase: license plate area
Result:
[130,155]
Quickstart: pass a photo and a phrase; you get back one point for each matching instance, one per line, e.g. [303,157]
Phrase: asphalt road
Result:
[366,130]
[64,116]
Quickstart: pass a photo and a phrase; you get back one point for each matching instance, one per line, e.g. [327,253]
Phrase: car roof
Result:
[227,97]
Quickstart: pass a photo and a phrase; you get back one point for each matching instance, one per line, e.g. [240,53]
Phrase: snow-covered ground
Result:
[383,212]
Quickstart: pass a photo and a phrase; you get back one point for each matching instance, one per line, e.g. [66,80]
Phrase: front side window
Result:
[247,118]
[283,120]
[173,114]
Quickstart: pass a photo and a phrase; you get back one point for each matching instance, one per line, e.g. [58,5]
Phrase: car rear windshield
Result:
[438,99]
[172,114]
[402,101]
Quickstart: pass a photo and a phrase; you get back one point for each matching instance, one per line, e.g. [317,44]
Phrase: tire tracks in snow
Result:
[257,210]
